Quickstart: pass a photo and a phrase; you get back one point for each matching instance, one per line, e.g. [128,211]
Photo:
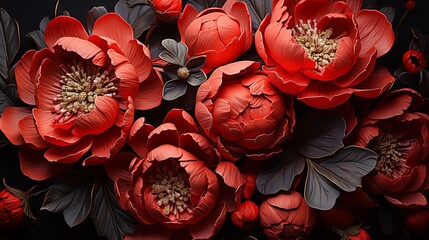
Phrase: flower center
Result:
[172,191]
[390,154]
[81,84]
[317,44]
[183,72]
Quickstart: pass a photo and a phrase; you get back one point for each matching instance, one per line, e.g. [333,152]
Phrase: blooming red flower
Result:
[222,34]
[170,184]
[11,210]
[400,136]
[83,90]
[166,10]
[414,61]
[246,215]
[287,216]
[239,109]
[325,51]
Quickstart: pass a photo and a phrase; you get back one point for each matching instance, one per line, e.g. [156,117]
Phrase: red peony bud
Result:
[414,61]
[416,220]
[410,5]
[250,185]
[11,210]
[166,10]
[287,216]
[246,215]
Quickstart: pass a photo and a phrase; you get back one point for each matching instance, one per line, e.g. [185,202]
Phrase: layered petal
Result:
[63,26]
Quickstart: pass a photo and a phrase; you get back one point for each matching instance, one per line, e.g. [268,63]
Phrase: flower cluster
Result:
[168,119]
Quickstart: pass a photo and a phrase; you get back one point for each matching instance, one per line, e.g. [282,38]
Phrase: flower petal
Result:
[9,121]
[69,154]
[182,120]
[83,48]
[166,133]
[324,95]
[375,84]
[24,82]
[308,9]
[63,26]
[135,52]
[375,31]
[150,92]
[49,85]
[211,224]
[118,166]
[28,129]
[291,83]
[99,119]
[35,166]
[392,108]
[406,200]
[111,25]
[138,137]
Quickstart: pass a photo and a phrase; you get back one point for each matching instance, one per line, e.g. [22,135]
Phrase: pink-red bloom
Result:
[82,90]
[11,210]
[166,10]
[325,51]
[400,136]
[171,184]
[222,34]
[287,216]
[246,215]
[239,110]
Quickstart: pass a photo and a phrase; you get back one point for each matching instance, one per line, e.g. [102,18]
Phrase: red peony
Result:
[222,34]
[400,136]
[11,210]
[287,216]
[166,10]
[239,110]
[83,90]
[171,184]
[246,215]
[325,51]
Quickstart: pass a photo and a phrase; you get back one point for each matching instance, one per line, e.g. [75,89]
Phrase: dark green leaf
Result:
[108,217]
[389,12]
[93,15]
[319,192]
[5,102]
[71,194]
[257,9]
[174,89]
[203,4]
[347,166]
[9,42]
[176,52]
[38,35]
[196,62]
[319,134]
[197,78]
[280,172]
[140,16]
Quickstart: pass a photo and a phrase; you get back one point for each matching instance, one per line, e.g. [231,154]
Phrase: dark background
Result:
[28,14]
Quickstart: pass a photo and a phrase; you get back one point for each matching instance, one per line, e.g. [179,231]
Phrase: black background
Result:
[28,13]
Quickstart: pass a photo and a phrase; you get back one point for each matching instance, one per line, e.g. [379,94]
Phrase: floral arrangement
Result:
[229,119]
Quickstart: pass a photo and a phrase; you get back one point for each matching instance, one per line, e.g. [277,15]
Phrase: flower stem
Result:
[402,19]
[37,193]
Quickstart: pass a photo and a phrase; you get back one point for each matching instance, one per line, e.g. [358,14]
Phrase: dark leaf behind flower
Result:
[280,172]
[139,15]
[203,4]
[161,32]
[389,12]
[9,42]
[257,9]
[93,15]
[38,35]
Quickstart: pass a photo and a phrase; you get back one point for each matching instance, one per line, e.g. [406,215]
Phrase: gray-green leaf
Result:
[9,42]
[140,16]
[174,89]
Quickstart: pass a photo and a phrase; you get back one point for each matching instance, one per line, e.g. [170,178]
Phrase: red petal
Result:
[288,201]
[99,119]
[56,136]
[375,84]
[164,152]
[135,52]
[49,85]
[286,82]
[182,120]
[24,82]
[230,174]
[375,31]
[211,224]
[355,5]
[389,109]
[83,48]
[28,129]
[111,25]
[118,166]
[308,9]
[105,144]
[418,179]
[150,92]
[129,84]
[204,118]
[9,123]
[324,95]
[35,166]
[240,12]
[166,133]
[188,15]
[365,135]
[63,26]
[199,146]
[138,137]
[69,154]
[406,200]
[260,43]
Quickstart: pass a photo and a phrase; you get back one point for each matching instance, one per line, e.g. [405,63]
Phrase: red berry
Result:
[410,5]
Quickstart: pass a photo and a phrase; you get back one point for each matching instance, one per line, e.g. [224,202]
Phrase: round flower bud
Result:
[166,10]
[414,61]
[11,210]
